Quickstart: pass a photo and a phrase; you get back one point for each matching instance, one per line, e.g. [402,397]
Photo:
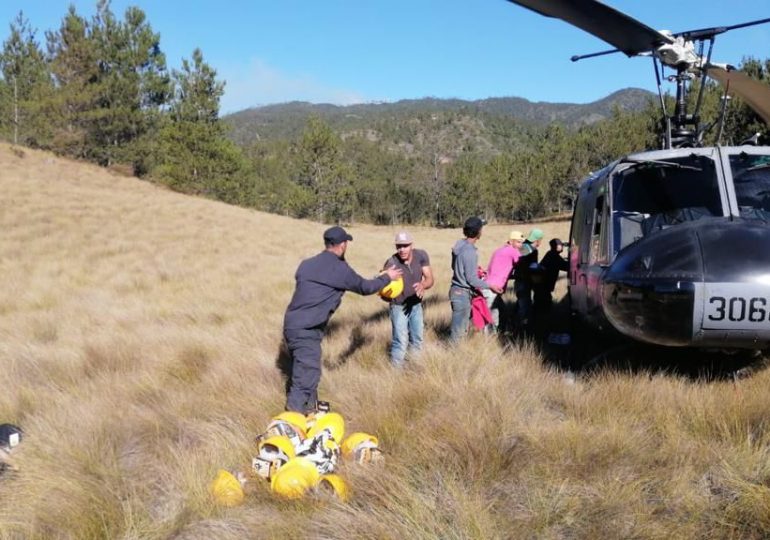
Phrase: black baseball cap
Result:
[472,226]
[474,222]
[336,235]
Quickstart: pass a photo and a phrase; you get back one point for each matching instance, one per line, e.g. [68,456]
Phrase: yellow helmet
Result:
[278,442]
[296,419]
[392,289]
[334,483]
[295,478]
[331,421]
[291,424]
[226,489]
[350,444]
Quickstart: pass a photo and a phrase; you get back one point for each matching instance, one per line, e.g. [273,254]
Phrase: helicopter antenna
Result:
[722,112]
[664,121]
[701,90]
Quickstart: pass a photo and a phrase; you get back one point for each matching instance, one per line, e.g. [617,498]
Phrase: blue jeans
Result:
[407,324]
[460,299]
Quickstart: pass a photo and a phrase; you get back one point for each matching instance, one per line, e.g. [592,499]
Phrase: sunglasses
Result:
[402,246]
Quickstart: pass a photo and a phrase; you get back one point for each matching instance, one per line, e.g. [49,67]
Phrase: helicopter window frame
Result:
[598,245]
[746,192]
[594,186]
[659,193]
[577,227]
[598,215]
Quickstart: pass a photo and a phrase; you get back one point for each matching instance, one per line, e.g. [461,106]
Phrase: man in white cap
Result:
[406,316]
[501,265]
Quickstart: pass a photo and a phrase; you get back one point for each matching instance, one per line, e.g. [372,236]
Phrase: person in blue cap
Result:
[320,283]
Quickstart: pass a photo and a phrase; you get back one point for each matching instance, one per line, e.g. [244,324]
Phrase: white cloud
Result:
[260,84]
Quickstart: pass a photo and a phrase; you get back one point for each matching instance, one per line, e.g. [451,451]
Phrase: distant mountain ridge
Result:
[287,120]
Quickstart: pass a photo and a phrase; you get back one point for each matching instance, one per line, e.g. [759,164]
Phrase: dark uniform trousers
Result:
[305,349]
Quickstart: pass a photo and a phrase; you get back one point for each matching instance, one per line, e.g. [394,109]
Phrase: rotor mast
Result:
[675,50]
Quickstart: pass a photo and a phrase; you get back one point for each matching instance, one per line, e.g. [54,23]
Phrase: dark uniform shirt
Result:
[551,265]
[412,274]
[321,282]
[523,270]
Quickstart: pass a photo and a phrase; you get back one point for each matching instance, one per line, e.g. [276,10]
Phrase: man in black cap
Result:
[549,268]
[465,279]
[321,282]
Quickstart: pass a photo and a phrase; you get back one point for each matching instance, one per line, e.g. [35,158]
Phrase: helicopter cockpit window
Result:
[652,195]
[598,247]
[751,179]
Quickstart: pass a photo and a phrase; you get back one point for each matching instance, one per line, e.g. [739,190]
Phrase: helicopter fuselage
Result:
[672,247]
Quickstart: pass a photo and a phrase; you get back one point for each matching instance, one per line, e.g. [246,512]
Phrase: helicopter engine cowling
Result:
[704,283]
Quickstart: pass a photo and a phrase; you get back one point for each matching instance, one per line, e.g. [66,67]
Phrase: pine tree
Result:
[111,84]
[131,87]
[323,171]
[73,58]
[27,80]
[195,156]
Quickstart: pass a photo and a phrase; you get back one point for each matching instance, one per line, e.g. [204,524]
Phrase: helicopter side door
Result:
[599,253]
[589,239]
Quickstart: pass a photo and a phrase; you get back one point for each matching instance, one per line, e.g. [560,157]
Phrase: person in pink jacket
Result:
[501,265]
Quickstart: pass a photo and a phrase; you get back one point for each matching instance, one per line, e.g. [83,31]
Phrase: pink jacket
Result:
[501,264]
[480,314]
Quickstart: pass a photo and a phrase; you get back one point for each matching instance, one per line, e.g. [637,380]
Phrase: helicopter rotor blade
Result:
[754,93]
[616,28]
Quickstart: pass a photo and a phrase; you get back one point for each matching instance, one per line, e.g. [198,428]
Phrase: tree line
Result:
[100,90]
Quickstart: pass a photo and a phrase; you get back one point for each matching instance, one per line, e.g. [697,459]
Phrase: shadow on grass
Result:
[358,337]
[590,352]
[284,364]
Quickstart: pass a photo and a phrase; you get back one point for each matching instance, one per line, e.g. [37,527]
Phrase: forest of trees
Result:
[98,89]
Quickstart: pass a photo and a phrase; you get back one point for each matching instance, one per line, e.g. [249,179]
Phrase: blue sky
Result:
[344,51]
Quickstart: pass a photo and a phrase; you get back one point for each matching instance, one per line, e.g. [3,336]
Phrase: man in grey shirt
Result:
[465,279]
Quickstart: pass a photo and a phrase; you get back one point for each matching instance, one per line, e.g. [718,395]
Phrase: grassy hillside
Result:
[139,332]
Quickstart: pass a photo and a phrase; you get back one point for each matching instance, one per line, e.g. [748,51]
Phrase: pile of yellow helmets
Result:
[298,456]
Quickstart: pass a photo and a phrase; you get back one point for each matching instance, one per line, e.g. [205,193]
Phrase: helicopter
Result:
[671,247]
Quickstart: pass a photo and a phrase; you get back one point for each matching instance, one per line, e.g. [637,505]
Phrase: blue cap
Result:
[336,235]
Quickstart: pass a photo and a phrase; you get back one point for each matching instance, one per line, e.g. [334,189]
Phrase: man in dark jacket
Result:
[550,266]
[523,276]
[321,282]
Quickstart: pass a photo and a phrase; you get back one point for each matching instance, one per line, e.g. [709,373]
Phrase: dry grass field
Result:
[139,334]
